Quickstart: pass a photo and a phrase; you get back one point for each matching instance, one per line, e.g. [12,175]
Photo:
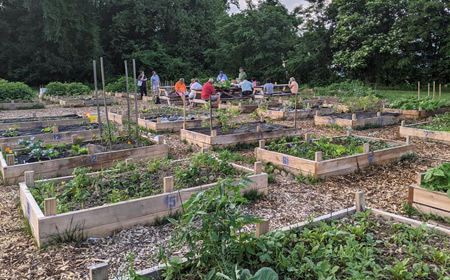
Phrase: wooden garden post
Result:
[184,113]
[434,89]
[135,96]
[428,89]
[50,206]
[104,101]
[418,90]
[295,111]
[440,90]
[128,98]
[99,272]
[360,202]
[99,120]
[210,116]
[262,228]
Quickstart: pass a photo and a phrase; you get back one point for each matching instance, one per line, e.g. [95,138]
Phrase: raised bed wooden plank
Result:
[168,126]
[410,130]
[339,166]
[301,113]
[44,123]
[416,114]
[14,174]
[64,137]
[20,105]
[104,220]
[428,201]
[356,122]
[244,108]
[204,140]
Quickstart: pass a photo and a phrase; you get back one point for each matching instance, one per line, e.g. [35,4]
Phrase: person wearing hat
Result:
[242,75]
[221,77]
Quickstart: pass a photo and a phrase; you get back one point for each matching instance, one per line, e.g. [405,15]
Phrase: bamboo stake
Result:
[128,99]
[440,90]
[184,112]
[135,95]
[99,120]
[104,101]
[428,89]
[418,90]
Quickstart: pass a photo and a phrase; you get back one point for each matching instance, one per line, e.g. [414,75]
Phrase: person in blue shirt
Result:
[155,82]
[268,87]
[221,77]
[246,86]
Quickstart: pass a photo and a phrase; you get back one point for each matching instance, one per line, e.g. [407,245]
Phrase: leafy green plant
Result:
[120,85]
[438,179]
[14,91]
[49,128]
[83,151]
[427,104]
[330,147]
[64,89]
[11,132]
[439,123]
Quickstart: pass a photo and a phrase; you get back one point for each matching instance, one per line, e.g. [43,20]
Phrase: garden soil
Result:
[289,201]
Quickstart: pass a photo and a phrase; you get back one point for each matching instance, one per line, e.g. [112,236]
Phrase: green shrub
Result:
[347,88]
[66,89]
[121,85]
[14,91]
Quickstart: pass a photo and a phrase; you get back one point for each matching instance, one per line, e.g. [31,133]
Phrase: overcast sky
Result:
[290,4]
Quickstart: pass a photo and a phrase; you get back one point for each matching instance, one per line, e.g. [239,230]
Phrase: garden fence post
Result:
[262,228]
[428,89]
[160,139]
[213,133]
[50,206]
[408,140]
[74,138]
[418,90]
[434,89]
[128,98]
[410,195]
[168,184]
[360,202]
[104,102]
[440,90]
[3,146]
[319,156]
[378,114]
[402,124]
[10,159]
[262,144]
[29,178]
[258,129]
[94,63]
[135,96]
[366,148]
[353,117]
[307,137]
[98,272]
[419,179]
[258,167]
[55,129]
[128,161]
[91,149]
[158,120]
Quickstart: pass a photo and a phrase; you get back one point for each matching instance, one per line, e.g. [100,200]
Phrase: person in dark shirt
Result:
[142,84]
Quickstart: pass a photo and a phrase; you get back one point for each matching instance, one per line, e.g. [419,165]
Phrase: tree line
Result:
[392,42]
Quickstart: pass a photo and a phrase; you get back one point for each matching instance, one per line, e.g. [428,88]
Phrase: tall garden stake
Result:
[184,113]
[295,111]
[210,116]
[135,96]
[104,101]
[99,120]
[128,99]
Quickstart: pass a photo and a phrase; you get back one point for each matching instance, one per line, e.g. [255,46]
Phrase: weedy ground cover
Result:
[357,247]
[330,147]
[132,180]
[439,123]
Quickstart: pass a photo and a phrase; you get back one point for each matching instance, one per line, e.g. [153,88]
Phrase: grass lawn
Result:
[393,95]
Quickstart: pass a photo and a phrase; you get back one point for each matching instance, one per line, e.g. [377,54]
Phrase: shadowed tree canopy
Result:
[385,42]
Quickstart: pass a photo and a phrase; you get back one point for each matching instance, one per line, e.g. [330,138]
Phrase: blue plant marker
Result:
[57,137]
[93,159]
[285,160]
[28,210]
[370,156]
[170,201]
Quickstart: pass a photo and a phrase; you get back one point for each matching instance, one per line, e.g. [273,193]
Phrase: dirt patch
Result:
[49,118]
[244,128]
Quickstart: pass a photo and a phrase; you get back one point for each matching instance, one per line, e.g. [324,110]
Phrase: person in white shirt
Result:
[194,86]
[246,86]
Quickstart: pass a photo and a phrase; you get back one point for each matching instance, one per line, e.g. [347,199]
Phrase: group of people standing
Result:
[208,88]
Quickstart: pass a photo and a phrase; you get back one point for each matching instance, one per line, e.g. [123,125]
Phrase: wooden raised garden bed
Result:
[428,201]
[160,124]
[246,133]
[319,168]
[358,120]
[58,134]
[244,108]
[13,173]
[289,113]
[416,114]
[42,121]
[434,135]
[104,220]
[21,105]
